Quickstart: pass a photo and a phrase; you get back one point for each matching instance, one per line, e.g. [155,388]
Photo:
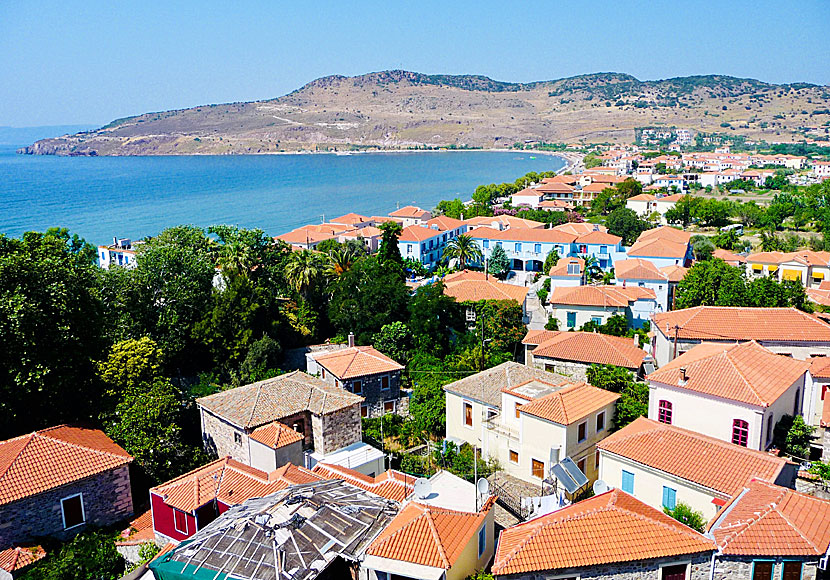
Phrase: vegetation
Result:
[633,401]
[625,223]
[91,555]
[463,249]
[686,515]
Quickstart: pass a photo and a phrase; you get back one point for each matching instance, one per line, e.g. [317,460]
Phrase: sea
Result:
[134,197]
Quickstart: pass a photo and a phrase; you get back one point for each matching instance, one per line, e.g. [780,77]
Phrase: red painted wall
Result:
[163,521]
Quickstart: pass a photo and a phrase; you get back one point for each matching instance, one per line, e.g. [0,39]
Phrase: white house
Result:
[734,393]
[120,253]
[643,274]
[528,196]
[663,246]
[411,216]
[568,272]
[574,307]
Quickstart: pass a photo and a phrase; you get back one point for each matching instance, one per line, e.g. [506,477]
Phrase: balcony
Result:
[494,425]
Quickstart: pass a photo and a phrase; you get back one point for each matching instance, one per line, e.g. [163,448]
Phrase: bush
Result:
[797,442]
[686,515]
[91,555]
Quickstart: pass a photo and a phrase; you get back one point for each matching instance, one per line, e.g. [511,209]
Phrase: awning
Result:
[758,267]
[772,268]
[719,502]
[818,275]
[791,275]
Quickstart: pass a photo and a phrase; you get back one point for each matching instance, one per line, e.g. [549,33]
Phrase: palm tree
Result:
[592,269]
[302,270]
[340,261]
[235,258]
[464,249]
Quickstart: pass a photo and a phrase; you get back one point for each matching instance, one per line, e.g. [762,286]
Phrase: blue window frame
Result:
[571,320]
[537,248]
[485,243]
[482,540]
[669,497]
[498,243]
[596,320]
[518,246]
[603,249]
[627,482]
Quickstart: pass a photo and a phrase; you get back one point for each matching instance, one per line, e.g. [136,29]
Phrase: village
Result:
[636,431]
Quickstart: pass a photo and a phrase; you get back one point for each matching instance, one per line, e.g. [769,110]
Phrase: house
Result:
[327,417]
[541,422]
[307,237]
[304,531]
[664,203]
[410,216]
[527,197]
[821,169]
[369,235]
[557,192]
[767,531]
[354,220]
[644,274]
[820,411]
[642,204]
[663,465]
[782,330]
[805,266]
[391,484]
[675,275]
[556,205]
[471,287]
[422,244]
[611,535]
[735,392]
[472,400]
[663,246]
[567,273]
[364,371]
[606,248]
[503,222]
[120,253]
[440,534]
[730,258]
[14,562]
[526,248]
[571,353]
[57,481]
[574,307]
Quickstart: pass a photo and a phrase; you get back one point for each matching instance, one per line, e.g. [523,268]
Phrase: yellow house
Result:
[805,266]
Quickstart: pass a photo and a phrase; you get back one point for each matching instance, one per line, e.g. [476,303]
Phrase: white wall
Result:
[583,314]
[455,419]
[660,287]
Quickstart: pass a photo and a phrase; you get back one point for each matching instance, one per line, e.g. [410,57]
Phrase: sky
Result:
[89,62]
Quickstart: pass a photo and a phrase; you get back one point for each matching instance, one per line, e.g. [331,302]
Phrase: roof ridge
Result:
[31,436]
[727,353]
[254,406]
[436,537]
[75,445]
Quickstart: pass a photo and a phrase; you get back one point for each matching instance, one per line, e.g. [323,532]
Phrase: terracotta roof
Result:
[427,535]
[637,269]
[364,232]
[505,220]
[445,223]
[552,236]
[718,465]
[15,559]
[555,188]
[608,528]
[411,211]
[275,435]
[745,372]
[139,532]
[561,178]
[418,234]
[674,273]
[820,367]
[357,361]
[666,233]
[469,289]
[577,229]
[599,238]
[561,267]
[806,257]
[589,348]
[46,459]
[569,404]
[819,295]
[601,296]
[266,401]
[769,520]
[394,485]
[527,192]
[739,323]
[671,199]
[642,197]
[229,481]
[351,219]
[487,385]
[657,248]
[596,187]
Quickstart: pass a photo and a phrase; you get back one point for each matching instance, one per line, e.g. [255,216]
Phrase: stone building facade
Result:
[738,568]
[336,430]
[697,567]
[106,499]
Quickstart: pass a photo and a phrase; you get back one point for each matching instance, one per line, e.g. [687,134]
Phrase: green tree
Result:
[91,555]
[389,252]
[591,160]
[712,212]
[683,211]
[799,437]
[433,318]
[503,326]
[633,403]
[712,283]
[395,341]
[550,261]
[464,249]
[729,240]
[552,323]
[686,515]
[130,364]
[340,261]
[702,247]
[303,271]
[624,222]
[51,328]
[498,264]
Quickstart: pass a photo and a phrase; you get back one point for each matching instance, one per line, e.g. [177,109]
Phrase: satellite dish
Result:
[600,487]
[422,488]
[483,486]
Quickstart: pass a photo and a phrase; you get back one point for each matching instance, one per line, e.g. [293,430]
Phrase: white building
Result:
[574,307]
[120,253]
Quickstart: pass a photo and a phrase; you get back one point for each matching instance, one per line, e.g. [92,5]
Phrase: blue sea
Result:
[134,197]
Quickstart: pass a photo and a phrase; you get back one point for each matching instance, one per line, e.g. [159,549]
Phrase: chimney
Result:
[636,341]
[462,217]
[682,382]
[351,340]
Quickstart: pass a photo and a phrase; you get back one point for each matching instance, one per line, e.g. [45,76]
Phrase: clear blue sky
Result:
[91,61]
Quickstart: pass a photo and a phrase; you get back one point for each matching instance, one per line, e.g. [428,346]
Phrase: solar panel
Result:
[574,472]
[564,478]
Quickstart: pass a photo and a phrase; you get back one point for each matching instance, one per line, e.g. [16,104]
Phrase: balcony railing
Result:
[494,425]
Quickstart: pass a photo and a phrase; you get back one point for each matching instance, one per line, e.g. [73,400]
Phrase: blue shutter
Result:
[669,497]
[482,540]
[627,482]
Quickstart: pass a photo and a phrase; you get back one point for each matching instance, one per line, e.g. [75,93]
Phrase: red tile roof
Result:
[601,296]
[586,347]
[579,228]
[46,459]
[657,248]
[552,236]
[275,435]
[418,234]
[608,528]
[768,520]
[718,465]
[561,267]
[728,257]
[637,269]
[470,288]
[508,221]
[599,238]
[820,367]
[357,361]
[394,485]
[569,404]
[746,372]
[15,559]
[411,211]
[444,223]
[738,323]
[139,532]
[666,233]
[427,535]
[674,273]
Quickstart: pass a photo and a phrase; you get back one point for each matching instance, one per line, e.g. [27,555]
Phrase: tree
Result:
[130,364]
[550,261]
[683,210]
[686,515]
[303,271]
[712,212]
[433,317]
[91,555]
[499,263]
[799,437]
[395,341]
[340,261]
[464,249]
[51,329]
[389,252]
[624,222]
[712,283]
[633,403]
[503,326]
[552,323]
[729,240]
[702,247]
[591,160]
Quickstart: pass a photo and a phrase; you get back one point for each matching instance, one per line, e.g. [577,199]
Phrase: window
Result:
[792,571]
[72,508]
[357,387]
[518,247]
[409,248]
[573,269]
[482,540]
[600,421]
[180,521]
[514,456]
[581,465]
[468,414]
[384,383]
[770,424]
[603,249]
[518,407]
[583,249]
[389,407]
[571,320]
[596,320]
[381,575]
[237,437]
[582,431]
[498,243]
[485,243]
[364,411]
[322,373]
[669,497]
[627,482]
[762,570]
[796,402]
[676,572]
[537,468]
[596,461]
[740,432]
[664,412]
[537,248]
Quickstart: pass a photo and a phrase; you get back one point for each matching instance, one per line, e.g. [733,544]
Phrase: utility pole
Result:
[481,316]
[674,354]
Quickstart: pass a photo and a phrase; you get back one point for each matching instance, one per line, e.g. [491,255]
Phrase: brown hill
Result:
[400,109]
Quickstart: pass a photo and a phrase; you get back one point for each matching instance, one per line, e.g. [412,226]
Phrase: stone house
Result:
[364,371]
[327,417]
[57,481]
[612,535]
[769,532]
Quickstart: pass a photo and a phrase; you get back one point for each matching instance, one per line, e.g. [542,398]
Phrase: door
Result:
[792,571]
[677,572]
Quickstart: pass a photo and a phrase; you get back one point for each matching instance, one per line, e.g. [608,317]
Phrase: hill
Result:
[401,109]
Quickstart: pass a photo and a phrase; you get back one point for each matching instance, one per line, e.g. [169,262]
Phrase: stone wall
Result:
[734,568]
[218,437]
[336,430]
[642,570]
[372,392]
[572,370]
[107,499]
